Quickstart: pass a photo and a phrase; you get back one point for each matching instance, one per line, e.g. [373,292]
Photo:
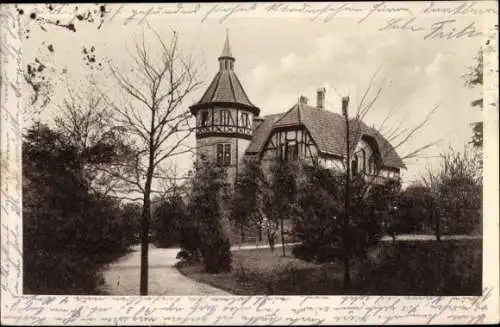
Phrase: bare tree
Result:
[395,137]
[456,187]
[109,158]
[155,88]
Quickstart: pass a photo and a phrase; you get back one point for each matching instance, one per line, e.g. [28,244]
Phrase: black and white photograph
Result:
[250,149]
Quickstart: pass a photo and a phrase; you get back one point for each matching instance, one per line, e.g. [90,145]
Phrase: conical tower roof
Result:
[225,88]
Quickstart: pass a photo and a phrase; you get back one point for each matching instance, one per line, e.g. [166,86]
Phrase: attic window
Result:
[289,150]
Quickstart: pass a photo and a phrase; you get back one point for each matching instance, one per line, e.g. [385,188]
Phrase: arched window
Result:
[371,165]
[363,161]
[354,165]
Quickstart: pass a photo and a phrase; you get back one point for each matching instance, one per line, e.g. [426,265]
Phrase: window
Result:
[204,118]
[245,122]
[372,168]
[223,154]
[354,165]
[363,161]
[289,150]
[224,117]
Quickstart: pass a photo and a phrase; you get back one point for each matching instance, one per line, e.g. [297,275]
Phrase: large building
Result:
[229,128]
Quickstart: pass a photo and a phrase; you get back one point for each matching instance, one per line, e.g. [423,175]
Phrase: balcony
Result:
[379,179]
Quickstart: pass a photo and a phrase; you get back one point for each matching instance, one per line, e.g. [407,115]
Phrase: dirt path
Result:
[122,276]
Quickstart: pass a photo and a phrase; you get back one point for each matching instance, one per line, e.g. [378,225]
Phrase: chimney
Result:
[303,99]
[320,98]
[345,105]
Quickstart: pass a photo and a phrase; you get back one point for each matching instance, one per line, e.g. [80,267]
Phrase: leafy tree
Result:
[278,199]
[131,213]
[205,207]
[415,209]
[474,78]
[319,224]
[321,204]
[246,199]
[69,232]
[167,221]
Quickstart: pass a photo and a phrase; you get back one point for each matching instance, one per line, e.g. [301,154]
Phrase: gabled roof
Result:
[327,129]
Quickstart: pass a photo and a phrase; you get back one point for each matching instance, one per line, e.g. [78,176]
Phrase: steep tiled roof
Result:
[225,87]
[262,132]
[327,129]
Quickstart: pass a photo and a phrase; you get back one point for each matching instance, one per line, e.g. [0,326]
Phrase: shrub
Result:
[425,268]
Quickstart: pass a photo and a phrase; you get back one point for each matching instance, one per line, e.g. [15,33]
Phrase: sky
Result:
[282,56]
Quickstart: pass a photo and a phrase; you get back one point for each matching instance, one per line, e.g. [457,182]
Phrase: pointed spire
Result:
[226,59]
[226,51]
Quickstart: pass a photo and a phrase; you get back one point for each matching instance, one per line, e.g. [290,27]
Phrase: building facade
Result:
[229,128]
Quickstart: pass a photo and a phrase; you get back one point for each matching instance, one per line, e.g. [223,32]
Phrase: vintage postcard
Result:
[249,163]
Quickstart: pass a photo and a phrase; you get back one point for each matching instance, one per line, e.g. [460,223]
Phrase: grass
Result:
[452,267]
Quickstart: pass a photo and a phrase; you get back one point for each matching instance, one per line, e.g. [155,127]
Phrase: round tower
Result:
[224,117]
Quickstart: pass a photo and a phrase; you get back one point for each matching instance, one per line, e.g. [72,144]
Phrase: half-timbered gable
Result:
[315,135]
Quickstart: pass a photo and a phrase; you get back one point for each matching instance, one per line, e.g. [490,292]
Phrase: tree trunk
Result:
[242,234]
[347,272]
[146,217]
[438,227]
[146,212]
[282,236]
[270,239]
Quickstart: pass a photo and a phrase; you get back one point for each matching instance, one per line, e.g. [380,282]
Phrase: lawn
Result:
[451,267]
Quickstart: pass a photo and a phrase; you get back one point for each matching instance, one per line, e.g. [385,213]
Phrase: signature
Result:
[445,29]
[448,29]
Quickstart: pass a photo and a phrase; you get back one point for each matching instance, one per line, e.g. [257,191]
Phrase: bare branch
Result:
[417,127]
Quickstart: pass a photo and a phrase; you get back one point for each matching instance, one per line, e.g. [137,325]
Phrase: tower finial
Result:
[226,51]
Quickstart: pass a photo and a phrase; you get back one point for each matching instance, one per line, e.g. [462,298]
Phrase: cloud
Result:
[290,62]
[437,65]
